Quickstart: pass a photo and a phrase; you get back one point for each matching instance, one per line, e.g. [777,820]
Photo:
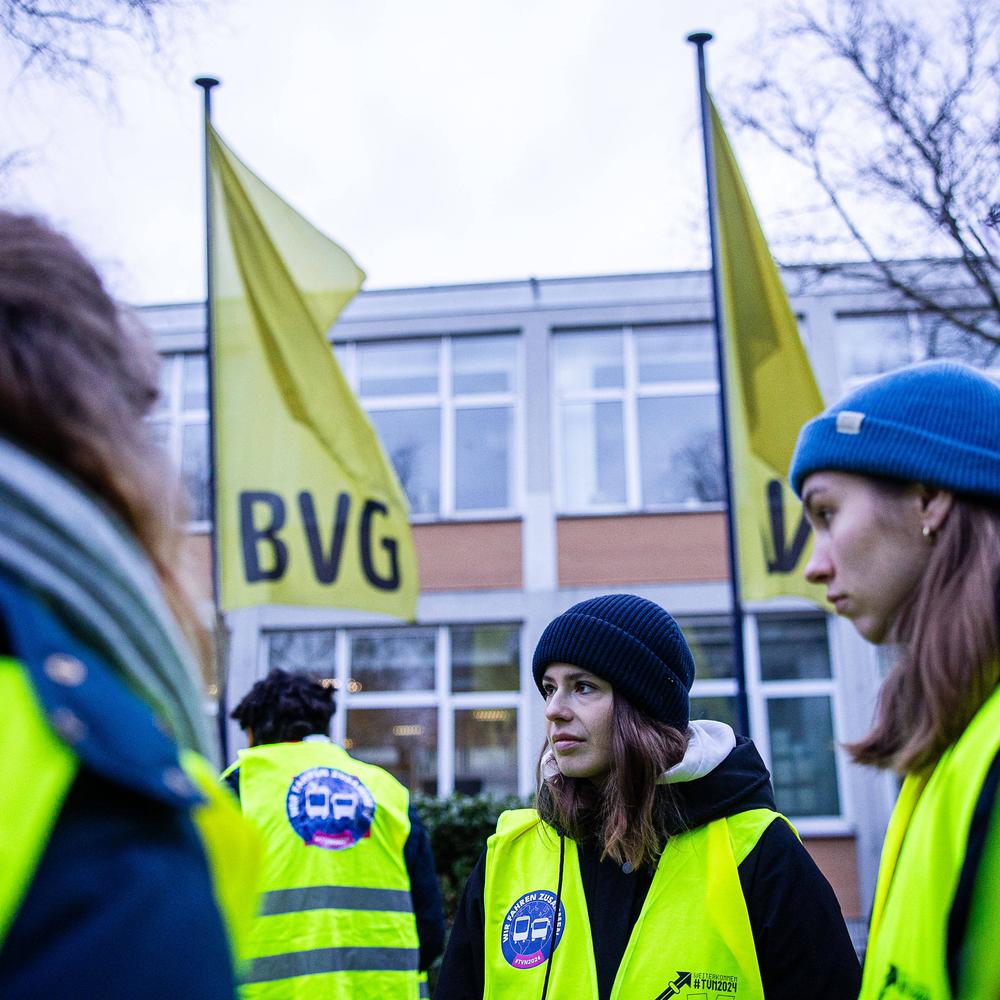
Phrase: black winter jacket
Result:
[802,943]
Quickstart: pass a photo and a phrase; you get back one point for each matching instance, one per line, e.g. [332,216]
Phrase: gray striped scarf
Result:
[83,561]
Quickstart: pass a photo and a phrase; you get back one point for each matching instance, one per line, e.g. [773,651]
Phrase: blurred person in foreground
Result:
[901,484]
[350,905]
[654,863]
[125,870]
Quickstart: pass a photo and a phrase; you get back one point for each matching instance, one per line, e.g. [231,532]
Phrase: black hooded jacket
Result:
[802,943]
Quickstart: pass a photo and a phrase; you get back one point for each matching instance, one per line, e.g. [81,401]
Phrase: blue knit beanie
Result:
[630,642]
[936,423]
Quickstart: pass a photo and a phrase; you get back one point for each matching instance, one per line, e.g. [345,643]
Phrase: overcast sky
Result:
[441,141]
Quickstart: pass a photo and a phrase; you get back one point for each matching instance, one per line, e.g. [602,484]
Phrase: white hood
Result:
[709,744]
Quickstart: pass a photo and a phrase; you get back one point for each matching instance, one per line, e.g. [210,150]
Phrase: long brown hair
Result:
[629,813]
[949,661]
[77,376]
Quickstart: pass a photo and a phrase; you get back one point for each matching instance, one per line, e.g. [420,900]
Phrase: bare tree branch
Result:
[62,38]
[897,119]
[72,41]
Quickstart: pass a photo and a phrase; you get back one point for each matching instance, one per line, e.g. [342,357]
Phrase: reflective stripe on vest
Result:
[693,931]
[922,860]
[322,960]
[335,897]
[34,782]
[336,917]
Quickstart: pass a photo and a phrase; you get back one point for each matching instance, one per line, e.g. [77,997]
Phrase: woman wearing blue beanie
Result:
[901,483]
[654,863]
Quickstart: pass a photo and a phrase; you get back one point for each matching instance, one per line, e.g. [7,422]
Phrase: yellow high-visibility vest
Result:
[336,918]
[925,848]
[31,798]
[692,936]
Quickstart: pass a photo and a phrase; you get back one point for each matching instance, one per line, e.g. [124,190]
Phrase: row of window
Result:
[637,419]
[441,706]
[636,416]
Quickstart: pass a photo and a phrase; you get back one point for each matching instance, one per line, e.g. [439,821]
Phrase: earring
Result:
[929,533]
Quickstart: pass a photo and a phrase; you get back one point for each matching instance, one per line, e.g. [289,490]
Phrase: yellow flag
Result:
[308,508]
[772,393]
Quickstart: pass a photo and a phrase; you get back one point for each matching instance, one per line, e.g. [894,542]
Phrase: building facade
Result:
[559,439]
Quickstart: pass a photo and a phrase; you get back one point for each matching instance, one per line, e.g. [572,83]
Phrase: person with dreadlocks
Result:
[350,902]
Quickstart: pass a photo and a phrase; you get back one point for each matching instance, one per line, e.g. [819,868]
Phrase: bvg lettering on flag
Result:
[268,521]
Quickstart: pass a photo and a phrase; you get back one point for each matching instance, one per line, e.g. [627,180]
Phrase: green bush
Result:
[458,828]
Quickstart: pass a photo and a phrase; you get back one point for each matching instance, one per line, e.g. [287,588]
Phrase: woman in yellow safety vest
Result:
[654,864]
[126,870]
[901,483]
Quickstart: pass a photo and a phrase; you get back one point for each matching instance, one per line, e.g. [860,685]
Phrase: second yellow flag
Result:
[772,393]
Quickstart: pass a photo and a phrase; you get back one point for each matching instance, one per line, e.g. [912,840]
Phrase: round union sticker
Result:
[526,937]
[329,808]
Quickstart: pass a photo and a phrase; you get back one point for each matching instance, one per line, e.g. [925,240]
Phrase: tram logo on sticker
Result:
[530,930]
[329,809]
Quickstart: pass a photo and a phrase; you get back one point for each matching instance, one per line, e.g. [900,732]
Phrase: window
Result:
[790,692]
[805,780]
[397,660]
[794,704]
[869,345]
[180,423]
[445,410]
[637,418]
[438,707]
[939,338]
[713,695]
[485,658]
[485,760]
[402,740]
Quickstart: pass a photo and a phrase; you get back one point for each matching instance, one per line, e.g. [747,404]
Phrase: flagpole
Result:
[207,83]
[700,39]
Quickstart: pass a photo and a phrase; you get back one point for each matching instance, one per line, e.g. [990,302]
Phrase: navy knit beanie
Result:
[936,423]
[630,642]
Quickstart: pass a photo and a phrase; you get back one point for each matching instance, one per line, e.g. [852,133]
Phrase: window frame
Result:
[760,692]
[177,418]
[628,394]
[912,320]
[448,403]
